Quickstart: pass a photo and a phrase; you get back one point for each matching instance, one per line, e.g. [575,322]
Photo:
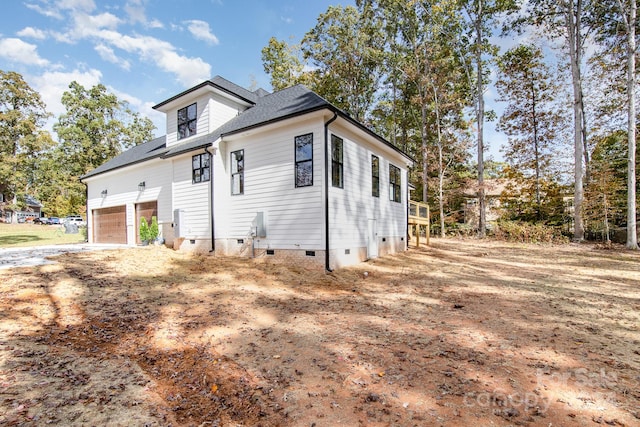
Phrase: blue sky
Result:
[143,50]
[146,51]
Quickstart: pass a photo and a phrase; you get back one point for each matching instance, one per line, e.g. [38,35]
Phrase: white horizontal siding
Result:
[294,216]
[122,190]
[352,206]
[193,199]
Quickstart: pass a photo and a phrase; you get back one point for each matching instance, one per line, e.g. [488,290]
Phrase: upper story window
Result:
[187,121]
[375,176]
[304,160]
[200,168]
[237,172]
[337,165]
[394,183]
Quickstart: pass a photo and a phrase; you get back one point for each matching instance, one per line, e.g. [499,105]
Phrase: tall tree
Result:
[344,50]
[482,17]
[96,127]
[567,20]
[283,62]
[529,120]
[22,140]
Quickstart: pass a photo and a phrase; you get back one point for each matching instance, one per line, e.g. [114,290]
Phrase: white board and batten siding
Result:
[122,190]
[294,215]
[191,198]
[353,206]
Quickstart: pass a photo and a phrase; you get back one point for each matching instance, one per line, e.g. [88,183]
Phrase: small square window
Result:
[271,252]
[310,253]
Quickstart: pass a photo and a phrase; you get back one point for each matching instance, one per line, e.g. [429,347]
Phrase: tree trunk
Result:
[573,16]
[425,169]
[480,119]
[537,151]
[632,237]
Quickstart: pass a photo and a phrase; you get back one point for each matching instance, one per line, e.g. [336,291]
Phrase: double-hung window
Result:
[200,168]
[375,176]
[394,183]
[237,172]
[187,121]
[337,165]
[304,160]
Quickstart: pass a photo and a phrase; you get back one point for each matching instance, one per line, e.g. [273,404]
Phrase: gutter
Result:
[213,221]
[326,191]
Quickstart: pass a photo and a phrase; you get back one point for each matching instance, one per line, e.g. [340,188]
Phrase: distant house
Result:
[493,191]
[33,210]
[283,174]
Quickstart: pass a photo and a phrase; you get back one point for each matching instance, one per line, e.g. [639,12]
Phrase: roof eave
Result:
[198,87]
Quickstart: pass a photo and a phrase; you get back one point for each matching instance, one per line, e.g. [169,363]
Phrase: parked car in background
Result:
[54,220]
[74,219]
[42,220]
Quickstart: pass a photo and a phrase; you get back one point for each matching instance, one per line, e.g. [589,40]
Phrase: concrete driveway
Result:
[35,255]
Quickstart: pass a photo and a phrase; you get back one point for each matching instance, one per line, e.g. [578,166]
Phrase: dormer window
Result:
[187,120]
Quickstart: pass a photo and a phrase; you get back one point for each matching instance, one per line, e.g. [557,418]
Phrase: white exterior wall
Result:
[213,111]
[193,199]
[122,189]
[294,216]
[353,206]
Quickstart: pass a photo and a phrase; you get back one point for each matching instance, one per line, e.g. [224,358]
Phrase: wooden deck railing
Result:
[418,215]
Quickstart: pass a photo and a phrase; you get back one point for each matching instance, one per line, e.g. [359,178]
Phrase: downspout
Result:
[326,191]
[213,222]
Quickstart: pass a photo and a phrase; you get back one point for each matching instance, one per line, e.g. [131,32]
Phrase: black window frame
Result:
[304,162]
[375,176]
[395,184]
[238,166]
[200,173]
[190,124]
[337,161]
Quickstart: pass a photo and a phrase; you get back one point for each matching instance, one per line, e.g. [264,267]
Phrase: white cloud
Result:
[189,71]
[18,51]
[286,20]
[52,84]
[109,55]
[144,108]
[135,9]
[76,5]
[201,31]
[33,33]
[46,11]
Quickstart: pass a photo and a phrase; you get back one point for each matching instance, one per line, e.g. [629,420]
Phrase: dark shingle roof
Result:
[268,108]
[149,150]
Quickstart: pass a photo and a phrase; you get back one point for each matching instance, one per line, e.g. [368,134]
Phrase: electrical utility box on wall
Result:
[261,224]
[179,223]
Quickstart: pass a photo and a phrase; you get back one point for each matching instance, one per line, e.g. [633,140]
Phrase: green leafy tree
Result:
[529,119]
[616,22]
[22,140]
[482,17]
[284,63]
[344,50]
[96,127]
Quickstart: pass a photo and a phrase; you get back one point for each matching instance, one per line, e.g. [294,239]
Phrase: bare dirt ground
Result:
[463,333]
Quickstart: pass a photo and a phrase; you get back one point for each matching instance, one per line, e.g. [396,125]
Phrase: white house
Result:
[285,174]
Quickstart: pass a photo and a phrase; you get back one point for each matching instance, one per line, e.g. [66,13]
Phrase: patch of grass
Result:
[14,235]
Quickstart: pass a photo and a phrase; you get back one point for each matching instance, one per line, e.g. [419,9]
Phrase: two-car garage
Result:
[110,224]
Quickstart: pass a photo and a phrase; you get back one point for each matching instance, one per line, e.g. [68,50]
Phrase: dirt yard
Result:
[464,333]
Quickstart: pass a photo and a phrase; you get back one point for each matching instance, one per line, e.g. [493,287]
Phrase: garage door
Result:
[146,210]
[110,225]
